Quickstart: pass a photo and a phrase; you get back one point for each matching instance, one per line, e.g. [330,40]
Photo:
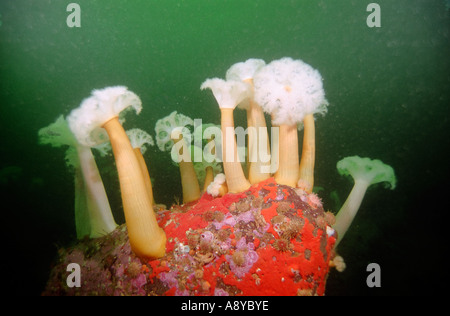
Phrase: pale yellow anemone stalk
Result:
[204,169]
[102,110]
[258,139]
[189,181]
[173,135]
[228,95]
[287,172]
[209,177]
[232,167]
[209,165]
[145,173]
[259,145]
[306,170]
[365,172]
[138,139]
[93,216]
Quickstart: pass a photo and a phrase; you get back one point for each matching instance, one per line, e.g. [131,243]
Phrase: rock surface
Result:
[269,240]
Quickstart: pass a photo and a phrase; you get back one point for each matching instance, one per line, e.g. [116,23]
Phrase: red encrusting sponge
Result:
[269,240]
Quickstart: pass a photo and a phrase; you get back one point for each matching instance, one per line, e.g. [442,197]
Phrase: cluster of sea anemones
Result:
[288,90]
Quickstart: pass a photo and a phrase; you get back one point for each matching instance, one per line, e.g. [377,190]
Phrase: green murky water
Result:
[388,88]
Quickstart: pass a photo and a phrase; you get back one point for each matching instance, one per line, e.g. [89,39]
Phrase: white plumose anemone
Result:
[291,91]
[93,216]
[102,111]
[258,138]
[173,134]
[365,172]
[245,70]
[103,105]
[218,186]
[228,95]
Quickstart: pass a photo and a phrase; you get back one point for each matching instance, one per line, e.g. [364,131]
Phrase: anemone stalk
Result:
[232,167]
[306,170]
[147,239]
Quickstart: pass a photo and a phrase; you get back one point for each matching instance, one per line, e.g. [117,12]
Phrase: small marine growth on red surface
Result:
[269,240]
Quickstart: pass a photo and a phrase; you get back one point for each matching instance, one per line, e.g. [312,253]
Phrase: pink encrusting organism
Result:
[243,258]
[314,200]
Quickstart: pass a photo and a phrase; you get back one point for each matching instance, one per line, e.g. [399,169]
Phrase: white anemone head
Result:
[288,90]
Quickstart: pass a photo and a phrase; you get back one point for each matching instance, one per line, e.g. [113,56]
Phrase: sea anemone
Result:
[209,164]
[291,91]
[228,95]
[282,245]
[206,171]
[258,139]
[172,134]
[209,137]
[170,126]
[314,200]
[330,219]
[218,187]
[338,263]
[306,169]
[364,172]
[292,228]
[238,257]
[139,140]
[101,112]
[243,258]
[93,215]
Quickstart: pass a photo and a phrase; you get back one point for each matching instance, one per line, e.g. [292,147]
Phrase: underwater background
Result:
[388,89]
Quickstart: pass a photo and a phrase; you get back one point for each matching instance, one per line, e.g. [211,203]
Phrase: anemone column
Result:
[147,239]
[232,167]
[306,172]
[287,172]
[189,181]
